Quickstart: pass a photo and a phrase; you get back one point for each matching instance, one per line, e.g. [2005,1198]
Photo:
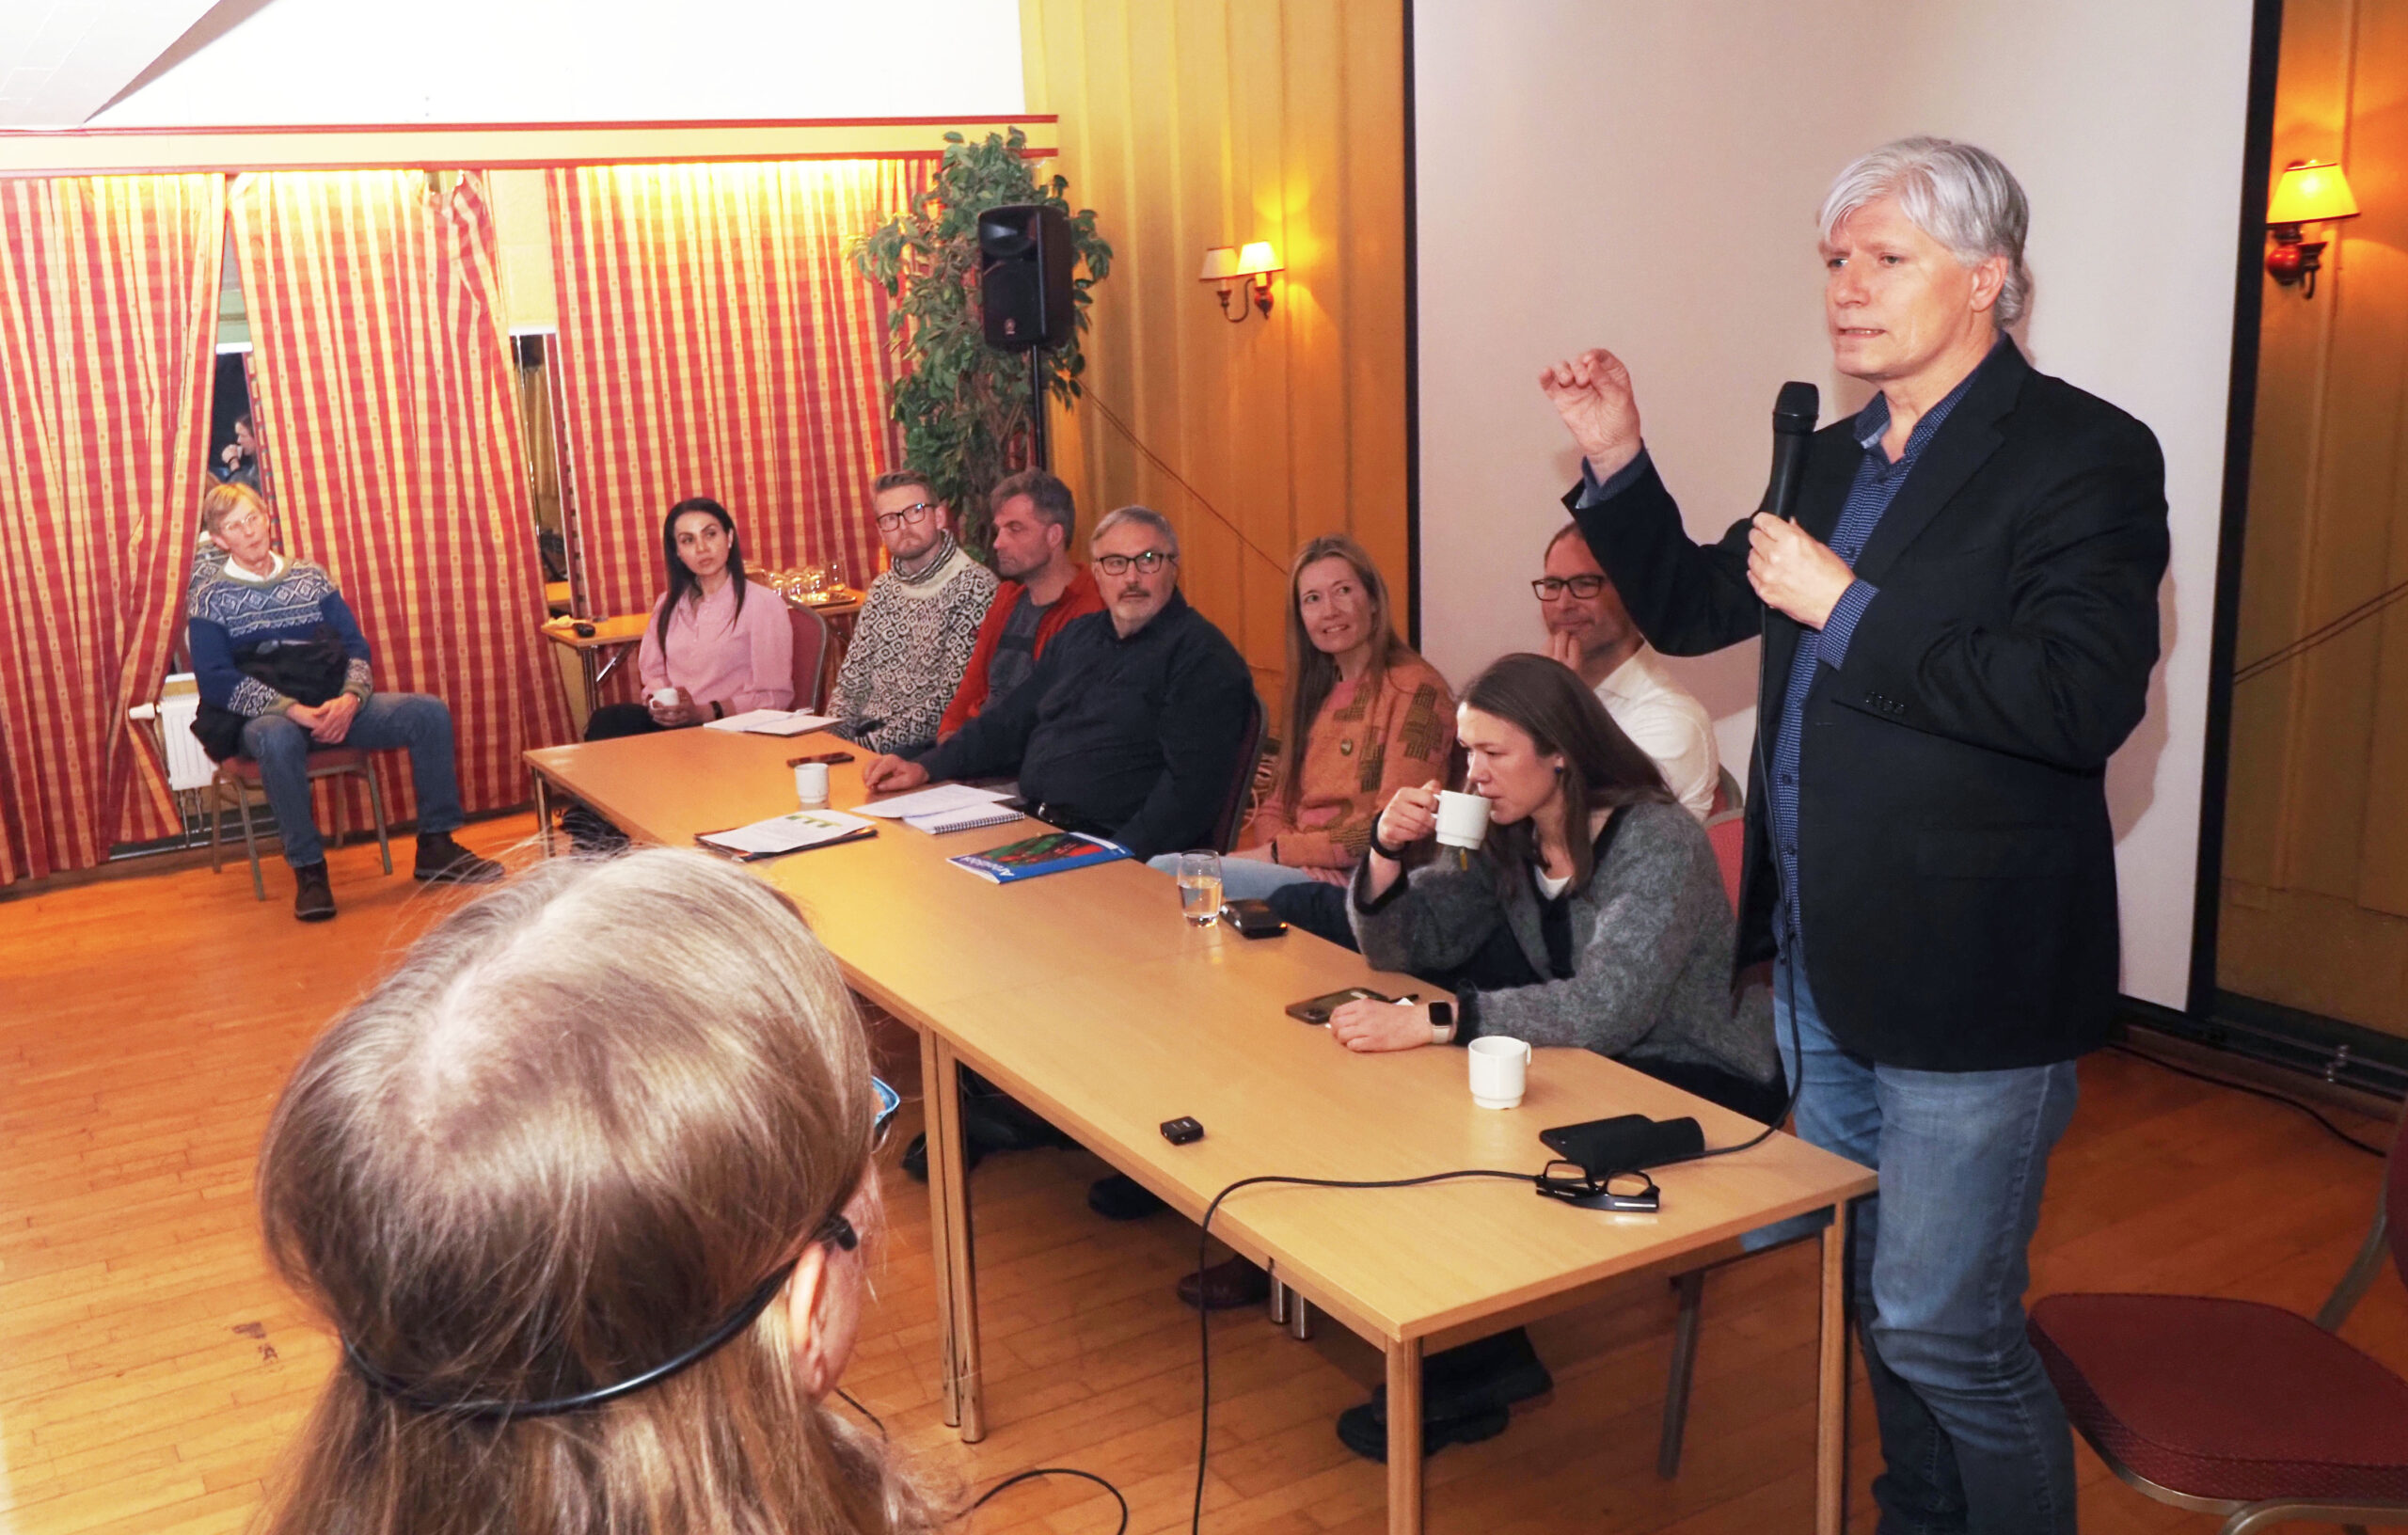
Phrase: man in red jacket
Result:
[1042,588]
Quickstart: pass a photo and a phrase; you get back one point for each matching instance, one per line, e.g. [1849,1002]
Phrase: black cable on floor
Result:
[1056,1471]
[875,1421]
[2270,1095]
[1204,1314]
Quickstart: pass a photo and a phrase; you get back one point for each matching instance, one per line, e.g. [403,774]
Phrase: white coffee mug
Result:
[810,785]
[1499,1071]
[1462,818]
[664,696]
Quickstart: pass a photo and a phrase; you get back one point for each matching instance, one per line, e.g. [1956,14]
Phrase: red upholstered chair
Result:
[239,778]
[2236,1408]
[1728,831]
[809,655]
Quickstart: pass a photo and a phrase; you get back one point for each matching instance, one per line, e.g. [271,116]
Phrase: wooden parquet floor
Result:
[151,1370]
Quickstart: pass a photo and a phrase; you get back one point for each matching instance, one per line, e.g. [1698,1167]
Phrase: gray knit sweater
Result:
[1653,941]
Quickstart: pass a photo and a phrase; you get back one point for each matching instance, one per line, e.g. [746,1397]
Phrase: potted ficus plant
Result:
[964,406]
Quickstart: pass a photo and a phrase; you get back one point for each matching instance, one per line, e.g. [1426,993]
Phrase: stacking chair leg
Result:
[1691,1288]
[250,840]
[376,808]
[215,805]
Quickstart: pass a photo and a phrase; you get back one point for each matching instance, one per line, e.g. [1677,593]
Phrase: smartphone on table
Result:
[1317,1009]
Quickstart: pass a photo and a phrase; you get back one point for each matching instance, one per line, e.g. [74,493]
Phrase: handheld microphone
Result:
[1793,425]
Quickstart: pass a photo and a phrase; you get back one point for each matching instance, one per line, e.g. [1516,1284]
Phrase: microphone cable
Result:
[1204,1314]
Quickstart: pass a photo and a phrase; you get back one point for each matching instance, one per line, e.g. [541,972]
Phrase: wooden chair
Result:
[2239,1408]
[239,776]
[810,656]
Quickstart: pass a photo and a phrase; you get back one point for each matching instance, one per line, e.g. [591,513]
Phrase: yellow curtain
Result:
[390,418]
[108,311]
[715,342]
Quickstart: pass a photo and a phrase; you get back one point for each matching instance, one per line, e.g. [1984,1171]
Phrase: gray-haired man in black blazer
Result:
[1957,632]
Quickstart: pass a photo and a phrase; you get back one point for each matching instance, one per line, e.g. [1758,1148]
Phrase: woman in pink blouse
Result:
[717,645]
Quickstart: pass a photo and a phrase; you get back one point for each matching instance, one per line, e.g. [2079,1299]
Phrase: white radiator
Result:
[188,765]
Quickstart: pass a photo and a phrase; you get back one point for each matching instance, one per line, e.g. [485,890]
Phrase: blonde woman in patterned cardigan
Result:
[1364,716]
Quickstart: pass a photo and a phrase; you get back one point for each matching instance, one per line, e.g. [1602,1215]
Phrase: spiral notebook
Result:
[966,818]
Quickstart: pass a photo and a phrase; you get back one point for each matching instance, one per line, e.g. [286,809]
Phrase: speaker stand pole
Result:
[1038,455]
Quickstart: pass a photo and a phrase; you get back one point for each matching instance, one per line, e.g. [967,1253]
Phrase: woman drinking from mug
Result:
[717,645]
[586,1190]
[1594,916]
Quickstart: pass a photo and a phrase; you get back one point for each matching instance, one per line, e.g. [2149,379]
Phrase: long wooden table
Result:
[1086,996]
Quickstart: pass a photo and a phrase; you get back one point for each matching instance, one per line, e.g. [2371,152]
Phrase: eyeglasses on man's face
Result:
[242,522]
[1146,563]
[1551,588]
[915,514]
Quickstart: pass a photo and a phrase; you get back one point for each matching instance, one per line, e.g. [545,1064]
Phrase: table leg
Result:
[593,683]
[1831,1383]
[939,1237]
[542,812]
[1404,1436]
[943,1097]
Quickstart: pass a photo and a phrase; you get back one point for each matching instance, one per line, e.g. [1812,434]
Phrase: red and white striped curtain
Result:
[385,398]
[108,316]
[714,341]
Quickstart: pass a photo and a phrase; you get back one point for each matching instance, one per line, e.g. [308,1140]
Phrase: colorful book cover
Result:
[1032,857]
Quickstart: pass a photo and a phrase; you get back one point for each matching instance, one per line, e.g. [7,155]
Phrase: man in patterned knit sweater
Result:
[918,627]
[258,603]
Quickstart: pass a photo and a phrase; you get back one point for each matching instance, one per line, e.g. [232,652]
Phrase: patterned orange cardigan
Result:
[1360,751]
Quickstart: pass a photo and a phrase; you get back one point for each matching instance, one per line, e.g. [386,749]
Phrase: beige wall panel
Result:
[1189,123]
[2316,827]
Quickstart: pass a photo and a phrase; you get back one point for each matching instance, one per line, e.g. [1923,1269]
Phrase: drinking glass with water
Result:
[1199,888]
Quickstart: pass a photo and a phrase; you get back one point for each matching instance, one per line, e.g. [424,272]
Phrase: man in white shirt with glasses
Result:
[1589,630]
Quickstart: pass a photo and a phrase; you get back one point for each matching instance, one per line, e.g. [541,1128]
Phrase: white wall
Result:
[1646,177]
[360,61]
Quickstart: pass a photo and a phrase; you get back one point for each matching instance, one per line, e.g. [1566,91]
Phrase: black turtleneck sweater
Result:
[1136,738]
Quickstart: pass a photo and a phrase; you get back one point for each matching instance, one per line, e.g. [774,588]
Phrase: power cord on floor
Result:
[2308,1109]
[1056,1471]
[1203,1259]
[1012,1480]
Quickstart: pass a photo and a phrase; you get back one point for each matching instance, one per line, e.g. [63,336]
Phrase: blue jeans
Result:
[416,721]
[1973,1435]
[1242,879]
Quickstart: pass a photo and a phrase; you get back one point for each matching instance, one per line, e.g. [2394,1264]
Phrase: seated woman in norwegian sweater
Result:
[717,645]
[283,669]
[1595,916]
[1364,716]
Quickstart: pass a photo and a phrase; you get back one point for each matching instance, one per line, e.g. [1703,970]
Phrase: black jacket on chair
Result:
[1956,868]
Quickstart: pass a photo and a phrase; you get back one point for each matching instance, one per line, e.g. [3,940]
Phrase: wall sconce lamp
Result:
[2310,192]
[1227,265]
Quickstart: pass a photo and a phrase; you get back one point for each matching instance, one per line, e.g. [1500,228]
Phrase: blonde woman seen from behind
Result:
[585,1186]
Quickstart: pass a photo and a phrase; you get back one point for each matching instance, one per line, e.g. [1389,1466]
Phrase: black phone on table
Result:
[1317,1009]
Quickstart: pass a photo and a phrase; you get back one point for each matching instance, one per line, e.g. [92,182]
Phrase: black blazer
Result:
[1957,869]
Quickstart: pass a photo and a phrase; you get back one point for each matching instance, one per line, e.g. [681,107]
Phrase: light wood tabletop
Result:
[1089,997]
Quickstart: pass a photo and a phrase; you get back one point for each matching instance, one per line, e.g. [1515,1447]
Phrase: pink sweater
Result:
[740,660]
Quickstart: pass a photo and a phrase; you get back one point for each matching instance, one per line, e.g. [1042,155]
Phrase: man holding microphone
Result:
[1958,630]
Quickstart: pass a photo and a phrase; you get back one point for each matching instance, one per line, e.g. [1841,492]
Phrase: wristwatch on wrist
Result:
[719,710]
[1442,1022]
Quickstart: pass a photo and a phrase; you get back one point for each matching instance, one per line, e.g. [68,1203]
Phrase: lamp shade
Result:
[2312,191]
[1220,265]
[1258,259]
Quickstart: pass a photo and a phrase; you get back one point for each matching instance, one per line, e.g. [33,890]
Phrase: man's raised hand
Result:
[1593,394]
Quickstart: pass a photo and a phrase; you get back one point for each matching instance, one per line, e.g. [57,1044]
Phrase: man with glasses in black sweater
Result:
[1131,724]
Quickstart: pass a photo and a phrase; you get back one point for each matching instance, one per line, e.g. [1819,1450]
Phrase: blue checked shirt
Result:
[1876,485]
